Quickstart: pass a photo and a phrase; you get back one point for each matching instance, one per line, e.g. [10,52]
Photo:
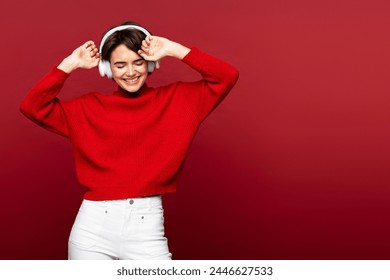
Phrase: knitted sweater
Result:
[126,147]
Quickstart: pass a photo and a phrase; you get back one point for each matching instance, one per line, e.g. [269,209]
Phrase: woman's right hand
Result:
[85,56]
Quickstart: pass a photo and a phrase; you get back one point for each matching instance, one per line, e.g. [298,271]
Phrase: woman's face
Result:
[129,70]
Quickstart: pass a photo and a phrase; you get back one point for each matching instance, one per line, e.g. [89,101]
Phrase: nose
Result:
[130,70]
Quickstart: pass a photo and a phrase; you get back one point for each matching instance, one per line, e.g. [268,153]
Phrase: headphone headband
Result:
[105,67]
[120,28]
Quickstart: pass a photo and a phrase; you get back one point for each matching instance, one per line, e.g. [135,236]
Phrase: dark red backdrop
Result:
[293,165]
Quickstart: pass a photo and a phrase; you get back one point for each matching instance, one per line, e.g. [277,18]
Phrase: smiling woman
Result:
[130,146]
[128,68]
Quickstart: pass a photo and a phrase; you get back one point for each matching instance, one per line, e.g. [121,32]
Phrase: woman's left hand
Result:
[155,48]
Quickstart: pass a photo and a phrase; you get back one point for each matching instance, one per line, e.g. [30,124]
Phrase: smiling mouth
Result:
[131,81]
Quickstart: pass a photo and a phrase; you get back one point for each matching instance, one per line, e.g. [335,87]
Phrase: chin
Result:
[129,86]
[132,89]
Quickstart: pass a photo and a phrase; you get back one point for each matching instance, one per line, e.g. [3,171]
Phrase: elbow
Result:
[233,78]
[236,75]
[230,80]
[232,75]
[25,110]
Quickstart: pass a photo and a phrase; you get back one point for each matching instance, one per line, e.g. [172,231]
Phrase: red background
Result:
[293,165]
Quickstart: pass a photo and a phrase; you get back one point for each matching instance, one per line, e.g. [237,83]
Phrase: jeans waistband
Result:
[148,201]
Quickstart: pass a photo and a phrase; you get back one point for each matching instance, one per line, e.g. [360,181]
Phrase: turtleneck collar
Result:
[123,93]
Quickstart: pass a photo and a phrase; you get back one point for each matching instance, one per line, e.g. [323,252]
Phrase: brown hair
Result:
[131,38]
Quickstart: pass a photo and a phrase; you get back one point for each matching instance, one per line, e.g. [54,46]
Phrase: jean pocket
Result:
[88,225]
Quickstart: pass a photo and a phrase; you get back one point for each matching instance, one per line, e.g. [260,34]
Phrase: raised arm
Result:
[218,76]
[41,105]
[85,56]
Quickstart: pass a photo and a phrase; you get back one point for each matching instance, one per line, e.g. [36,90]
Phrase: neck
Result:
[125,93]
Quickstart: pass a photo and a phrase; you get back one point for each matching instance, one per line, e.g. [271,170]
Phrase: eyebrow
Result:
[125,62]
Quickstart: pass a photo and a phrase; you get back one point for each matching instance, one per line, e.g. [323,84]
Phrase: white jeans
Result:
[119,230]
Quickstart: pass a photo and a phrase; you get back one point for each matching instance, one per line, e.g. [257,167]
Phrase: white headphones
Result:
[104,65]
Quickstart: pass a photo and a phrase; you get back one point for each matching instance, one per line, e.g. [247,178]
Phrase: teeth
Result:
[131,80]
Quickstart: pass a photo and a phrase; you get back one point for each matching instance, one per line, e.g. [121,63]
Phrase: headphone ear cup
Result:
[101,68]
[105,69]
[151,66]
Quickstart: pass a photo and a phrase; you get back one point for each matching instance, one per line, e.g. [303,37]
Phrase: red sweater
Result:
[131,147]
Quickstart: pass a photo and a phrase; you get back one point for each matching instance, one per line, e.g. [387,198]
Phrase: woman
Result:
[129,146]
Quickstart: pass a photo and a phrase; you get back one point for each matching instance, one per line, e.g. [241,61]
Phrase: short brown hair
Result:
[131,38]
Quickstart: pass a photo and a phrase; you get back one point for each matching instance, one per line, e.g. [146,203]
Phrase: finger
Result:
[145,43]
[88,43]
[144,55]
[94,51]
[91,49]
[151,40]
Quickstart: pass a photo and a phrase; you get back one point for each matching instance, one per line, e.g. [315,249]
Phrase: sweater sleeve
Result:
[42,106]
[218,76]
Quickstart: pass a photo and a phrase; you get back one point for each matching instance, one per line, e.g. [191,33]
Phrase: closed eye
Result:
[119,64]
[139,62]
